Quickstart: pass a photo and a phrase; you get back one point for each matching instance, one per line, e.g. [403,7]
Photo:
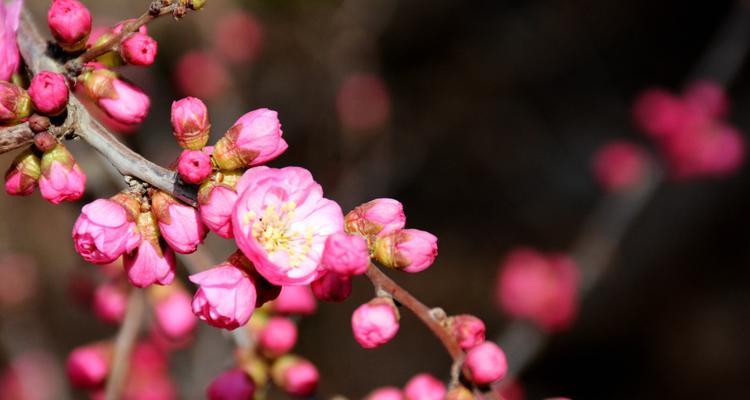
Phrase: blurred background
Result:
[482,118]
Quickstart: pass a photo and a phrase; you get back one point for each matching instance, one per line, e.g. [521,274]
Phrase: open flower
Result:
[281,222]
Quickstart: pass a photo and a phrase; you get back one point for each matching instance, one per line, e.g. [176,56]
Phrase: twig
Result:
[126,338]
[14,137]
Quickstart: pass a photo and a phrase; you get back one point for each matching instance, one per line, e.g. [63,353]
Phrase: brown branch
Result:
[14,137]
[33,48]
[124,343]
[381,281]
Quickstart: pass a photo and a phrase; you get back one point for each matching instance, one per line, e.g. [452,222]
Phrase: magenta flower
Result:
[234,384]
[278,337]
[226,296]
[62,179]
[376,217]
[23,173]
[139,49]
[9,56]
[295,300]
[216,205]
[281,222]
[173,312]
[49,93]
[253,140]
[332,287]
[70,24]
[180,225]
[295,375]
[346,254]
[620,165]
[88,366]
[194,166]
[110,301]
[468,330]
[386,393]
[409,250]
[375,323]
[190,124]
[424,387]
[486,363]
[106,229]
[151,263]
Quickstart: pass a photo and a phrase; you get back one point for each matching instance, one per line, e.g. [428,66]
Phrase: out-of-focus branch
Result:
[126,338]
[129,163]
[14,137]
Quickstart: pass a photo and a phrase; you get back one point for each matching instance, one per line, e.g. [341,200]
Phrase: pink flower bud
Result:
[180,225]
[620,165]
[424,387]
[226,296]
[200,74]
[486,363]
[190,124]
[468,330]
[410,250]
[62,179]
[106,229]
[110,302]
[120,100]
[15,104]
[172,311]
[70,24]
[376,217]
[9,56]
[216,205]
[295,300]
[138,49]
[659,113]
[88,366]
[332,287]
[194,166]
[386,393]
[234,384]
[278,337]
[346,254]
[49,92]
[151,263]
[238,27]
[21,177]
[707,97]
[538,287]
[253,140]
[375,323]
[295,375]
[363,102]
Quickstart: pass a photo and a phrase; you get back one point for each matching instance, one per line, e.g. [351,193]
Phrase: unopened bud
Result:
[375,323]
[376,217]
[15,104]
[410,250]
[468,330]
[70,24]
[49,93]
[194,166]
[38,123]
[253,140]
[23,174]
[486,363]
[295,375]
[139,49]
[62,178]
[190,124]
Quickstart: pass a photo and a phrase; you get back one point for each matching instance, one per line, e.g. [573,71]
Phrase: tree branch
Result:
[126,338]
[14,137]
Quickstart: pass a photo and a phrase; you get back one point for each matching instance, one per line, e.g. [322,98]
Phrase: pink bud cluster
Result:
[691,130]
[58,175]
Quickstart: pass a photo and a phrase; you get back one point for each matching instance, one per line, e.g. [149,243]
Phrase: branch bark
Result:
[126,338]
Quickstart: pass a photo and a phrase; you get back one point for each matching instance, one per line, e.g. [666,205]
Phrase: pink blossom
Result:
[363,102]
[179,225]
[332,287]
[278,336]
[468,330]
[239,37]
[375,323]
[194,166]
[9,56]
[139,49]
[200,74]
[424,387]
[234,384]
[70,24]
[110,301]
[620,165]
[346,254]
[295,300]
[173,312]
[15,104]
[376,217]
[486,363]
[88,366]
[104,231]
[538,287]
[707,97]
[386,393]
[226,296]
[31,375]
[190,124]
[23,173]
[281,222]
[49,92]
[295,375]
[660,113]
[216,209]
[62,179]
[253,140]
[409,250]
[128,104]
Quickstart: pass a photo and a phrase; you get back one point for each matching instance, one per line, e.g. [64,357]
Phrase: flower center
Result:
[273,231]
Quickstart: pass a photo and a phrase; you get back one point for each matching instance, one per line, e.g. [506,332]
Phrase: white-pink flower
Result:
[281,222]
